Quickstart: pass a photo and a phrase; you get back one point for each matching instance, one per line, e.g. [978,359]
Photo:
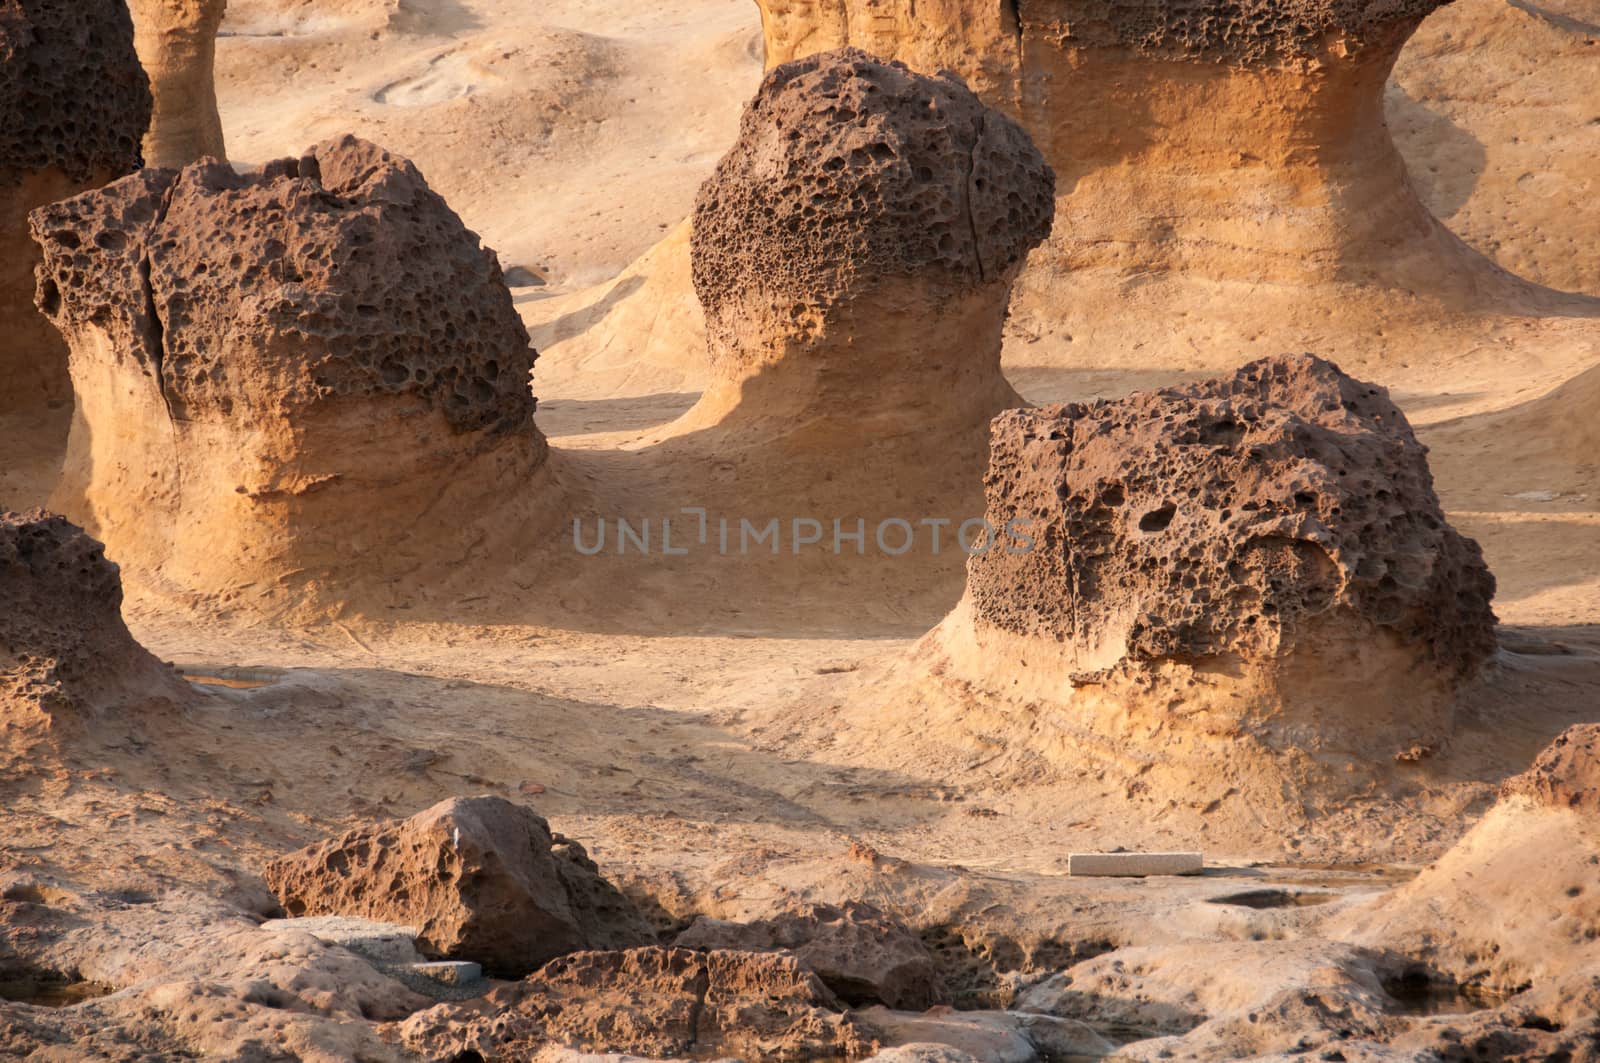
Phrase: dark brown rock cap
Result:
[851,170]
[73,96]
[481,878]
[61,594]
[336,275]
[1245,32]
[1225,518]
[1567,774]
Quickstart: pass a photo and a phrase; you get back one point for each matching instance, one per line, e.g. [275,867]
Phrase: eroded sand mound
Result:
[74,105]
[177,42]
[481,879]
[657,1003]
[272,369]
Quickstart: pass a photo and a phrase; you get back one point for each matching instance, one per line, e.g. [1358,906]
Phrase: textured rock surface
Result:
[1222,520]
[72,94]
[481,879]
[850,172]
[379,291]
[73,107]
[318,348]
[63,643]
[859,952]
[1566,775]
[651,1002]
[177,43]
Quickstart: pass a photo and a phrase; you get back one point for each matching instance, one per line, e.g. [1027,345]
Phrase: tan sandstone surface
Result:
[759,751]
[177,44]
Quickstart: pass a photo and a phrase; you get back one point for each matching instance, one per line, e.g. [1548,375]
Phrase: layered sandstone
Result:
[74,105]
[311,370]
[177,43]
[655,1003]
[1259,560]
[481,879]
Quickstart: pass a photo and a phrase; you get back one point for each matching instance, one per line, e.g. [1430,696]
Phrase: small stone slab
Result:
[449,972]
[1134,865]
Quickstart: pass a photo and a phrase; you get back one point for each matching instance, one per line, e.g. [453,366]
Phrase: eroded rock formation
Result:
[653,1002]
[1265,552]
[63,645]
[177,43]
[74,105]
[309,369]
[481,879]
[858,951]
[854,254]
[1249,139]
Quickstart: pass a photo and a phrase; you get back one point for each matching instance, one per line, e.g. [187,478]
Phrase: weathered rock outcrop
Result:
[858,951]
[1514,902]
[74,104]
[63,644]
[1249,140]
[310,370]
[177,43]
[654,1002]
[481,879]
[1241,587]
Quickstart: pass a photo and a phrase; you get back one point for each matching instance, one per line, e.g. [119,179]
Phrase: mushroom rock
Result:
[312,370]
[177,43]
[481,879]
[1247,571]
[74,104]
[854,254]
[65,653]
[1230,142]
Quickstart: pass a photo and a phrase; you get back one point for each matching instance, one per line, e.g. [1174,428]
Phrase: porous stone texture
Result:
[1567,774]
[74,104]
[862,954]
[177,44]
[63,643]
[851,173]
[1231,519]
[651,1002]
[319,347]
[481,879]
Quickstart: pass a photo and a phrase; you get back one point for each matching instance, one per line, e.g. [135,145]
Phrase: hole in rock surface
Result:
[1275,899]
[23,983]
[1421,992]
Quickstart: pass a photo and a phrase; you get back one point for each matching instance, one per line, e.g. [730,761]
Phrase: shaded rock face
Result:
[177,43]
[1232,519]
[74,105]
[850,174]
[1567,774]
[859,952]
[318,347]
[652,1002]
[481,879]
[63,643]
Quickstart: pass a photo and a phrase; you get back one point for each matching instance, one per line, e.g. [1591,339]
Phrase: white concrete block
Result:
[1134,865]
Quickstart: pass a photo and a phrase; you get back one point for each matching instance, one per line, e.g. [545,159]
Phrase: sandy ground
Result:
[703,769]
